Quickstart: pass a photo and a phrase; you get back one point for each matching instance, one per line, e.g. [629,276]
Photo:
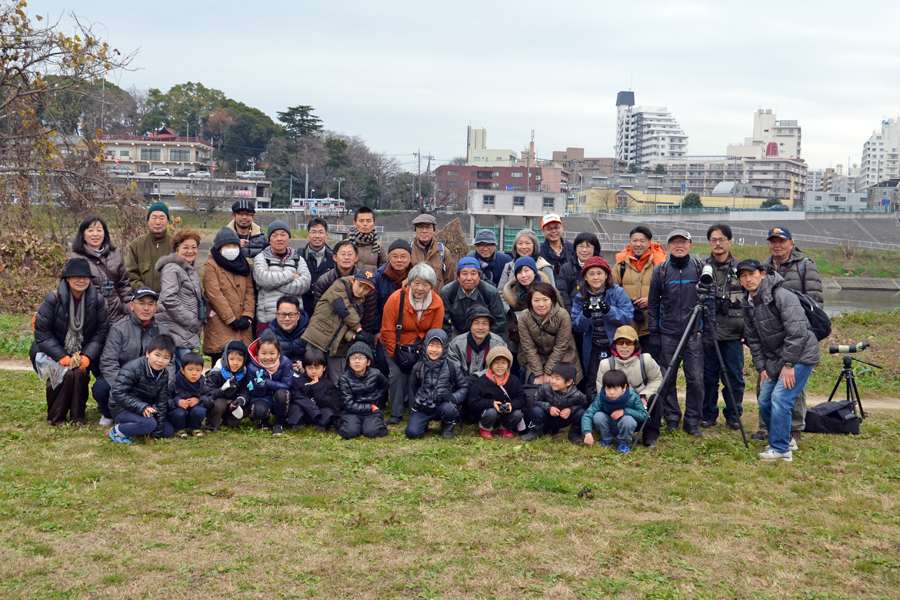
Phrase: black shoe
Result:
[760,436]
[706,424]
[296,427]
[733,424]
[575,434]
[277,430]
[394,420]
[694,431]
[671,426]
[534,433]
[211,429]
[650,443]
[447,430]
[321,428]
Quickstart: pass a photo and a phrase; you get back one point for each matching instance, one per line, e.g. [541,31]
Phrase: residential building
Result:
[479,155]
[501,206]
[759,177]
[772,137]
[453,182]
[162,149]
[880,154]
[646,135]
[814,179]
[836,201]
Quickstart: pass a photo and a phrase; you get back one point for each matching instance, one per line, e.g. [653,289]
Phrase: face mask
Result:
[231,253]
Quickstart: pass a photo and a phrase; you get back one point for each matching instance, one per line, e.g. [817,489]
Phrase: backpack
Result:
[816,317]
[833,417]
[612,366]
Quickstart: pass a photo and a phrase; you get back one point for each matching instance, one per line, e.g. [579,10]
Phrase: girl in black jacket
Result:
[312,395]
[498,396]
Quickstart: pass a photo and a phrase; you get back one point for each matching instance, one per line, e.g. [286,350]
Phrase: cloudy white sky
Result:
[408,75]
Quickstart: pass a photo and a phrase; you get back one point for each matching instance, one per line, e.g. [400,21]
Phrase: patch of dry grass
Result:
[243,515]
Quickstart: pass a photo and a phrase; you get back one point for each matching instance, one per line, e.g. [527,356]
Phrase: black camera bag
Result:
[833,417]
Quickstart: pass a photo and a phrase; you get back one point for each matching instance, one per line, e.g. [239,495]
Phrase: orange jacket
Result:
[413,327]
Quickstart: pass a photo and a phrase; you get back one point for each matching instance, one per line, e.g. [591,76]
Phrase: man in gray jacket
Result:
[127,340]
[729,331]
[801,274]
[783,348]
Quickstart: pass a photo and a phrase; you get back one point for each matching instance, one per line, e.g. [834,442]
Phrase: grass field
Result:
[245,515]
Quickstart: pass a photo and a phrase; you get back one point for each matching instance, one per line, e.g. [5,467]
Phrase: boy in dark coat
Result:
[497,396]
[312,394]
[228,380]
[140,401]
[363,392]
[558,404]
[438,387]
[189,397]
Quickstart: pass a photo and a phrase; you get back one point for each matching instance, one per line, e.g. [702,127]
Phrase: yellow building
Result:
[593,200]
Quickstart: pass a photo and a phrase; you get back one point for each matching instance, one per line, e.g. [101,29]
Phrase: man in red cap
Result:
[555,249]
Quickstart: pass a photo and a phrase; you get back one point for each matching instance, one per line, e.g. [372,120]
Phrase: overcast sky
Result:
[409,75]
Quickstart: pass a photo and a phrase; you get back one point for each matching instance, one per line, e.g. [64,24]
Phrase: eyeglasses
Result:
[624,342]
[718,240]
[284,315]
[680,243]
[188,248]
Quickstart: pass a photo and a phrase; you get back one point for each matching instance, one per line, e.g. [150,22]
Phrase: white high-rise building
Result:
[647,135]
[479,155]
[814,179]
[880,155]
[767,129]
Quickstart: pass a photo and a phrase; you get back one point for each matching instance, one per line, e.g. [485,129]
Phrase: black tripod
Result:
[692,328]
[852,390]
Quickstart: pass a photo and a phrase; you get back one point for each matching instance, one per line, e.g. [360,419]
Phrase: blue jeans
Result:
[733,357]
[540,418]
[623,429]
[132,425]
[100,392]
[418,421]
[191,418]
[776,403]
[179,353]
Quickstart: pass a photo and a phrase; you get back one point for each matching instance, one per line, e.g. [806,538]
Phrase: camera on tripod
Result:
[848,349]
[705,284]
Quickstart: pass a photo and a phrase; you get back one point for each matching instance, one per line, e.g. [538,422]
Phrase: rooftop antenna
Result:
[631,84]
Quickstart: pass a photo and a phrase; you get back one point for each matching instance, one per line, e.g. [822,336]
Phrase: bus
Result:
[319,206]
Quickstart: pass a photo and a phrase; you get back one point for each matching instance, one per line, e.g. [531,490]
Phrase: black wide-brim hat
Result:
[76,267]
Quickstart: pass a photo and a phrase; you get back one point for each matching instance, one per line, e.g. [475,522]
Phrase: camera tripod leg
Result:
[836,386]
[855,396]
[729,397]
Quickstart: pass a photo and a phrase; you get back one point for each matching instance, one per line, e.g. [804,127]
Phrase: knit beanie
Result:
[499,352]
[226,236]
[400,245]
[596,261]
[526,261]
[278,226]
[160,207]
[361,348]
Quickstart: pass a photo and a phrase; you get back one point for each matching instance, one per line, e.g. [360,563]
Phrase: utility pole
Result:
[252,162]
[530,156]
[306,167]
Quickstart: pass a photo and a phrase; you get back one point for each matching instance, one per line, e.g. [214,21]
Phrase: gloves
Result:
[244,323]
[365,338]
[604,307]
[445,398]
[236,324]
[586,309]
[65,361]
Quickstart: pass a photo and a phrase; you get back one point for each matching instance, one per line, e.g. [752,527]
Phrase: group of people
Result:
[547,337]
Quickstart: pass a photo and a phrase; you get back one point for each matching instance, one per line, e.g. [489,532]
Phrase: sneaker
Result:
[198,433]
[486,435]
[694,431]
[212,429]
[649,443]
[506,433]
[106,422]
[602,443]
[733,424]
[771,456]
[624,448]
[792,446]
[277,430]
[181,435]
[394,420]
[296,427]
[797,437]
[760,436]
[706,424]
[117,438]
[671,426]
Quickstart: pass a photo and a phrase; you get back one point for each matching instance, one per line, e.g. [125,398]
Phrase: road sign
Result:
[683,187]
[509,188]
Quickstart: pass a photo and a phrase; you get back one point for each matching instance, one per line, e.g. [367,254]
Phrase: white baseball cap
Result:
[551,218]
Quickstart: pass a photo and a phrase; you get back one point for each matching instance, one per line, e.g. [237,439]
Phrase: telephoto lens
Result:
[848,349]
[706,276]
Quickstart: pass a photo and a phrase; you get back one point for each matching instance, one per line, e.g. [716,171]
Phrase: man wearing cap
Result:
[144,251]
[335,324]
[424,247]
[801,274]
[729,331]
[633,270]
[253,240]
[277,271]
[492,262]
[783,348]
[390,276]
[127,340]
[318,256]
[670,303]
[467,291]
[555,249]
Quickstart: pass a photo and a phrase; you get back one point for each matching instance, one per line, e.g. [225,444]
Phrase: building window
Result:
[495,186]
[495,173]
[143,168]
[151,154]
[488,201]
[451,173]
[179,155]
[517,174]
[519,201]
[537,177]
[125,153]
[548,203]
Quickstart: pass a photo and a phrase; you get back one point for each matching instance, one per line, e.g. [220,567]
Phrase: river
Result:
[843,301]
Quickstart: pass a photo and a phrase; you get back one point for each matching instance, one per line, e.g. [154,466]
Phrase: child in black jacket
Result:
[312,395]
[498,396]
[558,404]
[228,382]
[189,397]
[437,388]
[363,393]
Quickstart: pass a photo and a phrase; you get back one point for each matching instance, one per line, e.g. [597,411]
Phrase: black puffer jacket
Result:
[136,388]
[322,393]
[483,393]
[731,326]
[217,376]
[52,323]
[776,329]
[180,388]
[358,394]
[673,296]
[546,398]
[568,283]
[431,379]
[367,320]
[801,274]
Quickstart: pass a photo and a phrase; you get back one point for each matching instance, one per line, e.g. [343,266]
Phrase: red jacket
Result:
[413,327]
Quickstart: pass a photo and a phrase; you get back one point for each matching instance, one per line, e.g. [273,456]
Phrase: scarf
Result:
[238,266]
[501,381]
[273,369]
[614,405]
[227,375]
[396,277]
[99,251]
[319,255]
[599,337]
[75,334]
[362,238]
[419,305]
[182,382]
[473,347]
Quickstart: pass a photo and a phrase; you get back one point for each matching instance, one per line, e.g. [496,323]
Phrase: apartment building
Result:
[162,149]
[453,182]
[881,154]
[479,155]
[647,135]
[758,177]
[767,129]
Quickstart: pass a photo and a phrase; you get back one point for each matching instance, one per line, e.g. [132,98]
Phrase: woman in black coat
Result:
[569,280]
[70,328]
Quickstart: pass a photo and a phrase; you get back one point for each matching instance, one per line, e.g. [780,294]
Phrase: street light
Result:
[339,181]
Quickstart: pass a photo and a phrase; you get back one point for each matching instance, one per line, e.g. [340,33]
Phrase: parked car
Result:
[120,170]
[183,173]
[253,175]
[200,174]
[160,173]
